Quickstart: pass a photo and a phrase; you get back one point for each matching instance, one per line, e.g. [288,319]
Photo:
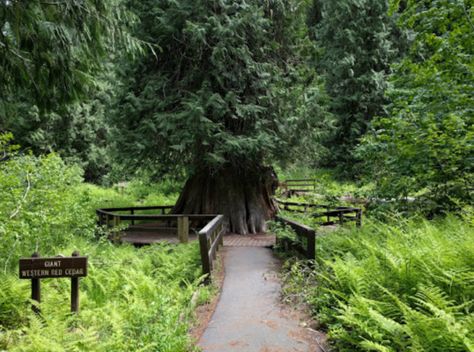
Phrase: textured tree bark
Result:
[244,197]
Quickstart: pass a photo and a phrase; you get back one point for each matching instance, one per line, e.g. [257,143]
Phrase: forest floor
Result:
[250,316]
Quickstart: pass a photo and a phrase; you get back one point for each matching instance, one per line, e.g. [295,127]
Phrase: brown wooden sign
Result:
[40,268]
[36,268]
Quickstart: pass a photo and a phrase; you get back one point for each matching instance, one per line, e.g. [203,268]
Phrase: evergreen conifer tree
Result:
[354,57]
[51,57]
[211,101]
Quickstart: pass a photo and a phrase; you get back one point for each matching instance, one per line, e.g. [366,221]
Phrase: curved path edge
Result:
[249,316]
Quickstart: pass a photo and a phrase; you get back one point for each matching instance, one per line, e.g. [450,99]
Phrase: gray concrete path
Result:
[249,316]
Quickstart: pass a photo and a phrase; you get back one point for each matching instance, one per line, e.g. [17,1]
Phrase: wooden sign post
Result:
[36,268]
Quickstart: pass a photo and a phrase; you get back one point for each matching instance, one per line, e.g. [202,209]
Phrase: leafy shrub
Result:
[282,231]
[424,148]
[40,206]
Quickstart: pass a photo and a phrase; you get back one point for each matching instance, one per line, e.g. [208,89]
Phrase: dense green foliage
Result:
[49,49]
[39,207]
[53,90]
[132,299]
[404,287]
[424,146]
[241,82]
[217,93]
[354,57]
[77,131]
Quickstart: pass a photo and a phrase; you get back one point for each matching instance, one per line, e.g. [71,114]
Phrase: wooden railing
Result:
[179,223]
[341,214]
[297,207]
[104,214]
[306,244]
[211,237]
[299,185]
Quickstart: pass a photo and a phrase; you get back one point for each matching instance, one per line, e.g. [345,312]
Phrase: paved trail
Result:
[249,316]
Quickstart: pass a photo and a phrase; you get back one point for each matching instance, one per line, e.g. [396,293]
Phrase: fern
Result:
[403,287]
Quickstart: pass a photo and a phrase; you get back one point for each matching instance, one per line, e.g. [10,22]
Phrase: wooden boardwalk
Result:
[154,233]
[142,238]
[257,240]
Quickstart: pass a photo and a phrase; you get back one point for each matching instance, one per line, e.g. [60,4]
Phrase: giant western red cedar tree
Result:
[211,101]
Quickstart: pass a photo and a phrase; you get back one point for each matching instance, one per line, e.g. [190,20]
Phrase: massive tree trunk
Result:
[244,197]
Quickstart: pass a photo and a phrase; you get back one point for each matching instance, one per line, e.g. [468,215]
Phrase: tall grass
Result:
[406,286]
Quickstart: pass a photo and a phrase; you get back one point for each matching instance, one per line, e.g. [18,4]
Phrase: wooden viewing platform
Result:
[132,225]
[140,229]
[333,215]
[154,232]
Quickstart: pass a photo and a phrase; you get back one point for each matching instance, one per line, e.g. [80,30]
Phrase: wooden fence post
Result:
[183,229]
[116,221]
[221,239]
[214,235]
[36,289]
[75,290]
[206,265]
[311,250]
[359,218]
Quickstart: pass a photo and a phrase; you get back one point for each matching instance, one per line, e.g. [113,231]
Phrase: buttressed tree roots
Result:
[243,196]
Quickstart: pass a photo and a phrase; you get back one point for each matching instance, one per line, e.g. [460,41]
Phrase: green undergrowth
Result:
[328,189]
[134,193]
[302,218]
[133,299]
[402,286]
[45,204]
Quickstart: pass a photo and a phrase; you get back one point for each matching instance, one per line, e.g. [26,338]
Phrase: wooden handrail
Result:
[301,180]
[338,212]
[293,186]
[111,218]
[309,205]
[302,231]
[151,207]
[211,237]
[127,217]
